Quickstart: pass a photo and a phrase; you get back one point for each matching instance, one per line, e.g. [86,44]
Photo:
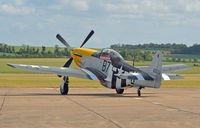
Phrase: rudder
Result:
[156,69]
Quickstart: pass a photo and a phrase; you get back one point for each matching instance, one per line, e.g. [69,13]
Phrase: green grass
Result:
[43,82]
[61,61]
[31,61]
[14,81]
[182,56]
[187,82]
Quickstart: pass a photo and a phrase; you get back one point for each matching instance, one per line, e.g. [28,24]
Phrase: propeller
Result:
[62,40]
[87,38]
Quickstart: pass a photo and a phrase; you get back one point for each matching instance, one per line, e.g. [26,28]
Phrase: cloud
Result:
[20,25]
[121,7]
[80,5]
[10,9]
[18,2]
[190,5]
[131,6]
[64,1]
[150,10]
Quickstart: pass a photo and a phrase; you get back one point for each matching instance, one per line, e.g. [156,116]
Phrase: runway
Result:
[99,108]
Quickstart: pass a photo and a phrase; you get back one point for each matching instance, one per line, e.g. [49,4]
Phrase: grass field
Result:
[21,80]
[52,81]
[33,61]
[12,80]
[61,61]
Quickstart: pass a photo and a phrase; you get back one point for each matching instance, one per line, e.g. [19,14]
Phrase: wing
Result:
[173,68]
[83,73]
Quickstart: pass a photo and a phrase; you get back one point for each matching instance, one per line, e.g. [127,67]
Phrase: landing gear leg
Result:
[64,86]
[138,91]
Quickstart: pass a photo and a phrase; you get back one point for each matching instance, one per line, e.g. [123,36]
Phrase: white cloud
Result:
[143,9]
[190,5]
[80,5]
[20,25]
[18,2]
[10,9]
[121,7]
[56,7]
[130,6]
[64,1]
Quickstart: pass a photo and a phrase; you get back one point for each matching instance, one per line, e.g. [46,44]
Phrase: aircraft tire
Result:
[65,90]
[120,91]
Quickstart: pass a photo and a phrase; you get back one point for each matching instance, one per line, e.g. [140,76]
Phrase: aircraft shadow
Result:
[125,95]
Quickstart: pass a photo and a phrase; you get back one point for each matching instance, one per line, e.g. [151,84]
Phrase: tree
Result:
[57,51]
[43,50]
[195,60]
[13,49]
[173,59]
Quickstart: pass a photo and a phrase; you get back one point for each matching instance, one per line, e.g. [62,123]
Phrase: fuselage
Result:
[78,53]
[105,64]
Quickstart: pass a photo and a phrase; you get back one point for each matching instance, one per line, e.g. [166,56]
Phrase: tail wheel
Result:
[64,86]
[120,91]
[139,92]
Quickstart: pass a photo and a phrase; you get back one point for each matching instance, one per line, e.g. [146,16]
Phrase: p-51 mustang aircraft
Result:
[109,68]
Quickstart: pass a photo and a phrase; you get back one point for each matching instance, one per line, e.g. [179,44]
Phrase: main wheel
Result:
[64,86]
[64,90]
[120,91]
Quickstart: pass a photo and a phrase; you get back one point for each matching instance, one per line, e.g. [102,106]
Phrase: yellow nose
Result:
[78,53]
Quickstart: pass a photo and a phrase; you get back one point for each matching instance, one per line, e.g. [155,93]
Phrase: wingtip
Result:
[11,65]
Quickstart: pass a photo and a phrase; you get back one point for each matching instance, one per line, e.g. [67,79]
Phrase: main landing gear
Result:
[139,91]
[120,91]
[64,86]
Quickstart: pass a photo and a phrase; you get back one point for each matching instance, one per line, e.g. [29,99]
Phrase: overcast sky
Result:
[36,22]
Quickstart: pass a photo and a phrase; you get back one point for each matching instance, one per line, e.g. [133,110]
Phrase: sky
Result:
[36,22]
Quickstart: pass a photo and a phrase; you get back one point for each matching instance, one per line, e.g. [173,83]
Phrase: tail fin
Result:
[156,69]
[157,61]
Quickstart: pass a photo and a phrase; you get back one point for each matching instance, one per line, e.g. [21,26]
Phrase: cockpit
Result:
[112,54]
[109,54]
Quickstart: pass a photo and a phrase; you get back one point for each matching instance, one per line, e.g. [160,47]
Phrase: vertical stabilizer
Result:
[156,69]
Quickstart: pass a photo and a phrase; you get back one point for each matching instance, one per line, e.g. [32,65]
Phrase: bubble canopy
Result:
[112,54]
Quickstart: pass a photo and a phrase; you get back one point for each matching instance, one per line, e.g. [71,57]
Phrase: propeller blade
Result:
[59,37]
[68,63]
[87,38]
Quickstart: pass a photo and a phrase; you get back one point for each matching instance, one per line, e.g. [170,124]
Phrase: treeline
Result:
[171,48]
[27,51]
[135,55]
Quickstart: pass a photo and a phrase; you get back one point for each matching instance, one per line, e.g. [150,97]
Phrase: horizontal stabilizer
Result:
[171,76]
[174,68]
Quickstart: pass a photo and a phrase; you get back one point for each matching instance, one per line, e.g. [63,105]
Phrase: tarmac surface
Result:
[99,108]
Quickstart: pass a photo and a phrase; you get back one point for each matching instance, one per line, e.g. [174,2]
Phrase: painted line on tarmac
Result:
[3,102]
[92,111]
[170,108]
